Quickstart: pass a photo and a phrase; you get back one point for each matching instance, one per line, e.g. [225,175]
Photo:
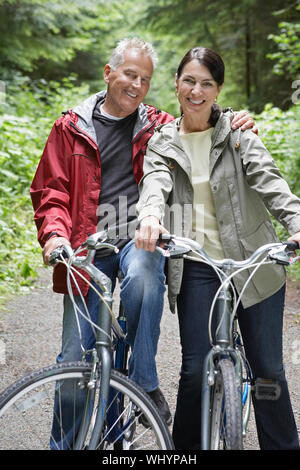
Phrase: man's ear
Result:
[107,71]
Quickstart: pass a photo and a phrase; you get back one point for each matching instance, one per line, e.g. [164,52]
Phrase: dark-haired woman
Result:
[230,182]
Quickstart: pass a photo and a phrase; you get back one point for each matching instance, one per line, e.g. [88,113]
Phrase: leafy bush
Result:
[26,119]
[279,131]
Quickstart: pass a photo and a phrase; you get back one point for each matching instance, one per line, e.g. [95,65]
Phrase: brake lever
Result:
[171,249]
[166,240]
[64,250]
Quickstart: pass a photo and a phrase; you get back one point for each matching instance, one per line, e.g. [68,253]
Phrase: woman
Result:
[231,182]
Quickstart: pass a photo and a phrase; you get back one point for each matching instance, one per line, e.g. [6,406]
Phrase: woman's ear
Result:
[176,83]
[219,89]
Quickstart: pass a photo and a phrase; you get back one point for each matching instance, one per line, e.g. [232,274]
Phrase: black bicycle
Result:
[95,400]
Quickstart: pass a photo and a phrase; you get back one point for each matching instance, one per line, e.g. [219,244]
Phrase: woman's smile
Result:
[195,102]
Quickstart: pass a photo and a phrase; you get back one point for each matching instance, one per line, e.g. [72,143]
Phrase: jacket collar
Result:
[219,136]
[222,129]
[84,111]
[168,143]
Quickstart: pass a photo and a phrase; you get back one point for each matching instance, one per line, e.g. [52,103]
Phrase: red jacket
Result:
[66,187]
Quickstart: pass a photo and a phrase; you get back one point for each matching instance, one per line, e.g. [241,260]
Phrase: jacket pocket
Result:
[264,233]
[268,278]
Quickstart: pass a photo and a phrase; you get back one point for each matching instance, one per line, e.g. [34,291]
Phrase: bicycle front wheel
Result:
[226,409]
[46,410]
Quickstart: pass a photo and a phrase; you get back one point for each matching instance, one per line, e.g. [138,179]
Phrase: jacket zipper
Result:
[82,132]
[142,132]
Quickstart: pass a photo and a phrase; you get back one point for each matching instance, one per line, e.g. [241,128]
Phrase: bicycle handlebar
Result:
[93,243]
[179,247]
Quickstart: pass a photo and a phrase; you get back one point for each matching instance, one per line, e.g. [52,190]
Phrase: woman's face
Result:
[197,90]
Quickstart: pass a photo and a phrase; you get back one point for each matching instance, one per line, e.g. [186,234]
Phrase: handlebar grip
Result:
[292,245]
[60,251]
[164,237]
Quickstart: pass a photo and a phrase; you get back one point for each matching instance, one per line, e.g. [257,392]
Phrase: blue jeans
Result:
[261,328]
[142,293]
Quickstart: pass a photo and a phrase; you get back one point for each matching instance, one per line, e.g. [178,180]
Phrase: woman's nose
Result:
[197,88]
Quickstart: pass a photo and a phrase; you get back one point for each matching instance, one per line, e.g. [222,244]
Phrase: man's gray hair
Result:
[117,56]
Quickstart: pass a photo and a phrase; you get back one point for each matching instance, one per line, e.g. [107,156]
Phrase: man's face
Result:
[128,84]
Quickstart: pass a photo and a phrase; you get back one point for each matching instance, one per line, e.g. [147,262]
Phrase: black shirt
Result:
[119,190]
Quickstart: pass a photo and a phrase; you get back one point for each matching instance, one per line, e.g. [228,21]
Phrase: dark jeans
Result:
[261,328]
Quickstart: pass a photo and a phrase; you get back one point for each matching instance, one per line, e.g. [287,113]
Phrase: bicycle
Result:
[227,381]
[104,408]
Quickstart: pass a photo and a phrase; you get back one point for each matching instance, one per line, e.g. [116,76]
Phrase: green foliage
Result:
[238,31]
[26,119]
[279,130]
[52,39]
[287,56]
[40,29]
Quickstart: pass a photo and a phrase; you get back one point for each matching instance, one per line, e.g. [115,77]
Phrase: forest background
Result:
[52,55]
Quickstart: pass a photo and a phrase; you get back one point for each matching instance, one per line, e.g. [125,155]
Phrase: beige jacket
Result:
[246,186]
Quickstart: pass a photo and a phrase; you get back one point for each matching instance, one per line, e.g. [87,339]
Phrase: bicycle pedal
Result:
[267,389]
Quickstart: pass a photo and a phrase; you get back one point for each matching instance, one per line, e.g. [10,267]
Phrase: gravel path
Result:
[30,331]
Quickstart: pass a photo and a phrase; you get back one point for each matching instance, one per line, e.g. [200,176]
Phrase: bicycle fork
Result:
[103,348]
[101,355]
[223,347]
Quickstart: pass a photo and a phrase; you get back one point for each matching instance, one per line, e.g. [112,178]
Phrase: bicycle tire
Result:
[226,409]
[26,412]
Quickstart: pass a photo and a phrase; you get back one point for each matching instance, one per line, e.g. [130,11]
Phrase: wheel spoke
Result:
[46,408]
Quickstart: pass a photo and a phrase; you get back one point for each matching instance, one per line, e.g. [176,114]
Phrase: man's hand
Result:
[51,245]
[295,238]
[244,120]
[148,233]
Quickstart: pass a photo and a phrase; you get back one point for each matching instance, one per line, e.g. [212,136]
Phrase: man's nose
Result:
[137,82]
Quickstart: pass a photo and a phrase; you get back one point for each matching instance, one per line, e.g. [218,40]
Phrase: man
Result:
[91,164]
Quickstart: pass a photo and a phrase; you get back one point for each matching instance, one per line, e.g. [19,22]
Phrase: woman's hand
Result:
[147,235]
[295,238]
[51,245]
